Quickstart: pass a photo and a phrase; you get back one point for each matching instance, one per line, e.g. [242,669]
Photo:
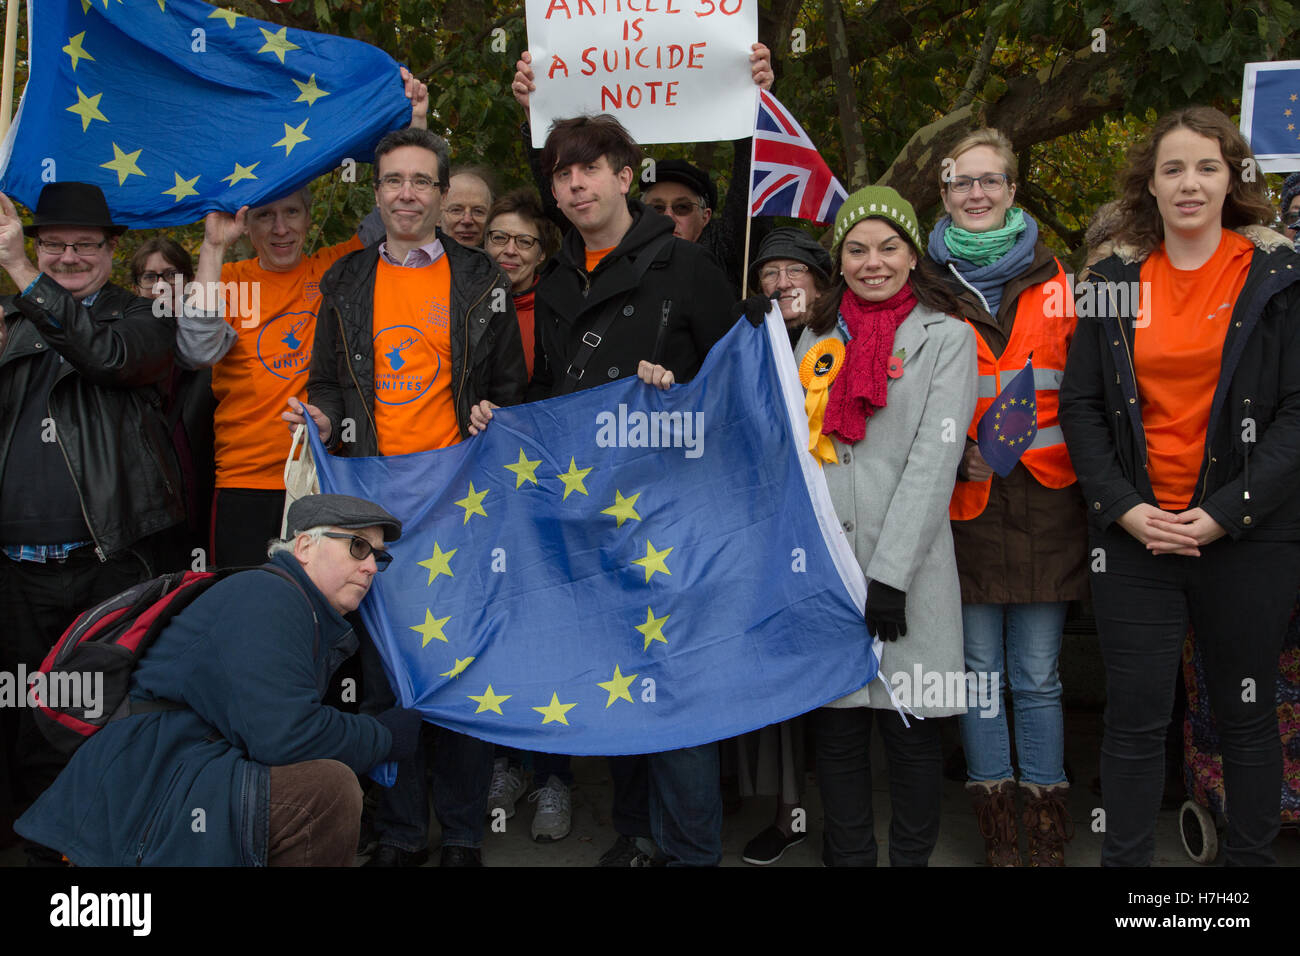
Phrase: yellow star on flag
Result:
[240,173]
[183,187]
[162,5]
[85,6]
[489,701]
[431,629]
[525,469]
[555,711]
[573,479]
[653,560]
[617,687]
[440,563]
[309,92]
[622,508]
[473,502]
[458,668]
[87,107]
[1002,438]
[293,135]
[653,628]
[277,42]
[230,16]
[76,51]
[123,164]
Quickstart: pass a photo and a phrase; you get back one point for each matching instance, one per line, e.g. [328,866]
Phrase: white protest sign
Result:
[671,71]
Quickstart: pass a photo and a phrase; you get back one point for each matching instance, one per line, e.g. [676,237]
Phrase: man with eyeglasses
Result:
[260,360]
[414,331]
[465,210]
[89,483]
[229,719]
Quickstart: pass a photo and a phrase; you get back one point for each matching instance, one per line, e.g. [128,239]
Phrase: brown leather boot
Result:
[995,811]
[1047,822]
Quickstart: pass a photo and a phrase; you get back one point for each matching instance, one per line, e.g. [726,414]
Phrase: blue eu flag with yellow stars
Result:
[621,570]
[176,108]
[1270,113]
[1009,425]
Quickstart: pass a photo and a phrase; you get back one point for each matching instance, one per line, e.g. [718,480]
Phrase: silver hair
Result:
[288,544]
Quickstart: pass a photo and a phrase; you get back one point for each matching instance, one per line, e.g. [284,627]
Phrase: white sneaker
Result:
[554,815]
[507,787]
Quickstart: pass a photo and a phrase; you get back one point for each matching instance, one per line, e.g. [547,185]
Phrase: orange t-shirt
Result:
[1177,359]
[414,408]
[595,255]
[266,366]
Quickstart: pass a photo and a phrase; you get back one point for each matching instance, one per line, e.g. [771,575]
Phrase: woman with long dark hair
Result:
[1181,409]
[900,397]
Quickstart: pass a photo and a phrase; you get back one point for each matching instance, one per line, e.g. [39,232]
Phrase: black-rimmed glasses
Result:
[361,549]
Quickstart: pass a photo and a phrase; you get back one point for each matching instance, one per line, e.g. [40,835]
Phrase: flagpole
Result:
[11,55]
[749,205]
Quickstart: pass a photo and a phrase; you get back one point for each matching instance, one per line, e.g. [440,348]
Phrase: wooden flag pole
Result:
[11,56]
[749,217]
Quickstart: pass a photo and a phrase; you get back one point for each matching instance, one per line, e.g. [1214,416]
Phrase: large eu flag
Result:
[621,570]
[176,108]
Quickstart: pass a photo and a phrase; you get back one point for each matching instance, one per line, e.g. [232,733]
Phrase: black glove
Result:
[886,611]
[404,724]
[755,309]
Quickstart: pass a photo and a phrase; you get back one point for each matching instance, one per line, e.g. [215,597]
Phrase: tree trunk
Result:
[1058,99]
[846,97]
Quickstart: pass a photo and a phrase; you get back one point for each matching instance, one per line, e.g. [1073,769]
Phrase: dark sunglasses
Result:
[361,549]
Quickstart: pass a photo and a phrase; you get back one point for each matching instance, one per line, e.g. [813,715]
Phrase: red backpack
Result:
[107,642]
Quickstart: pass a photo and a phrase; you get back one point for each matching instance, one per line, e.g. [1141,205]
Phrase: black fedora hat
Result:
[73,204]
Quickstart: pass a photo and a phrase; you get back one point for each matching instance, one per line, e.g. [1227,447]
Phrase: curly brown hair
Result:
[1245,204]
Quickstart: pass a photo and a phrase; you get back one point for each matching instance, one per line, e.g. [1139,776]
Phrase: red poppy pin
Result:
[896,363]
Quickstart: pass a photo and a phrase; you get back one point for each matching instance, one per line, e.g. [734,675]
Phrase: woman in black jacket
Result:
[1181,411]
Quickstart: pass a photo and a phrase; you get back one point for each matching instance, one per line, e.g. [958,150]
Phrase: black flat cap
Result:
[341,511]
[72,204]
[680,171]
[791,243]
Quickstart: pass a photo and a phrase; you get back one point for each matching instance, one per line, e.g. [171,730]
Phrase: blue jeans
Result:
[677,797]
[1033,648]
[462,773]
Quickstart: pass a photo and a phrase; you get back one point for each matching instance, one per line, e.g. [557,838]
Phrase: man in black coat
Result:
[625,297]
[88,476]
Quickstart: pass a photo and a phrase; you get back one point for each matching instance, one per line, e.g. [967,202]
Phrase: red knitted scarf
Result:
[859,388]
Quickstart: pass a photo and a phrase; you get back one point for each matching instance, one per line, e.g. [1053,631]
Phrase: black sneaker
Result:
[461,856]
[769,846]
[626,851]
[392,856]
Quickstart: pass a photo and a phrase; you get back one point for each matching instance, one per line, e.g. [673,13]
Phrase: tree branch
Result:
[980,71]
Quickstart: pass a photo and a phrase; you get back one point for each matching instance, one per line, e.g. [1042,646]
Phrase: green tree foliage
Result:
[1072,83]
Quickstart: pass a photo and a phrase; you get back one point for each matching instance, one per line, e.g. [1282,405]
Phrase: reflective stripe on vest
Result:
[1047,335]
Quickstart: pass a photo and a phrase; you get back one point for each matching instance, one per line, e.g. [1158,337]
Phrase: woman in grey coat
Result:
[895,416]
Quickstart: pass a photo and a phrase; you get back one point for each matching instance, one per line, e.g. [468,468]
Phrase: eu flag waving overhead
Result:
[1009,425]
[176,108]
[621,570]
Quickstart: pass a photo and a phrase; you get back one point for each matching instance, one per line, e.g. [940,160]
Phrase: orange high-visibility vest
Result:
[1044,324]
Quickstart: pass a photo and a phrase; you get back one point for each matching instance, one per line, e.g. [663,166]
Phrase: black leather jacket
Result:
[107,411]
[1250,474]
[487,356]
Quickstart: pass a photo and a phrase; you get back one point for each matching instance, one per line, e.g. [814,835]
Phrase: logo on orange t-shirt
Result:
[284,343]
[407,361]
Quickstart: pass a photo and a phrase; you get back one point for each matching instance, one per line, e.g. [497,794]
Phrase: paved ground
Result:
[959,841]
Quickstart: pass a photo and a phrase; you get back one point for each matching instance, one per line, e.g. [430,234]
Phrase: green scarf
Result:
[983,248]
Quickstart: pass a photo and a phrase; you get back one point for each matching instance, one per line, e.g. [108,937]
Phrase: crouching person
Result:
[235,761]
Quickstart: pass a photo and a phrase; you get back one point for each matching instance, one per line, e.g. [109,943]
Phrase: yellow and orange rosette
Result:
[820,365]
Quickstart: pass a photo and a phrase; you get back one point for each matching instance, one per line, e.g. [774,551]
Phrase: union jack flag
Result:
[789,176]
